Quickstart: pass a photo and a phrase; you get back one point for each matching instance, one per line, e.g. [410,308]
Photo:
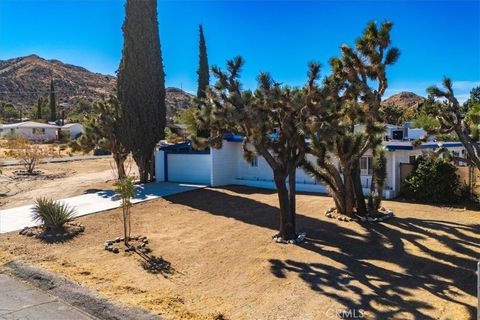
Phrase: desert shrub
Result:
[373,202]
[29,154]
[52,214]
[433,179]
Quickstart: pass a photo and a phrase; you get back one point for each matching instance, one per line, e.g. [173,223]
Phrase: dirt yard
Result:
[58,180]
[419,265]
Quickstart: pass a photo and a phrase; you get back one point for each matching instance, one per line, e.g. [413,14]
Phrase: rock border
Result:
[136,243]
[71,231]
[330,213]
[300,238]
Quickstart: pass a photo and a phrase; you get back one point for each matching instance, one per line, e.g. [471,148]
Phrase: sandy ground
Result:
[58,180]
[419,265]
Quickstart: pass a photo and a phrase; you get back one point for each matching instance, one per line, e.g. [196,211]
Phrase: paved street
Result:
[22,301]
[17,218]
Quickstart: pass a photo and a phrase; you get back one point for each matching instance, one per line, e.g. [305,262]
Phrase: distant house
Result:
[31,130]
[217,167]
[72,130]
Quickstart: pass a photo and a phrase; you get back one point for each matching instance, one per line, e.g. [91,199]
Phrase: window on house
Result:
[254,162]
[366,166]
[411,159]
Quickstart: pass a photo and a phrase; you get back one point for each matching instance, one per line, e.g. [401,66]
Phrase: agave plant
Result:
[52,214]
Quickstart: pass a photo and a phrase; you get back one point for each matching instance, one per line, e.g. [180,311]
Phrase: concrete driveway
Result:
[17,218]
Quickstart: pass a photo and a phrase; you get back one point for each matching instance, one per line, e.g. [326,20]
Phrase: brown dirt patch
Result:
[58,180]
[419,265]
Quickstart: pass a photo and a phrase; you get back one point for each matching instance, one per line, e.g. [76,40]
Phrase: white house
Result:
[72,130]
[31,130]
[217,167]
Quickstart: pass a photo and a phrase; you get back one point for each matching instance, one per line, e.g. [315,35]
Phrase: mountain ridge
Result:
[24,79]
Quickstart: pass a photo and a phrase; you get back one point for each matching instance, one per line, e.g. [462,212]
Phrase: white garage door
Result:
[194,168]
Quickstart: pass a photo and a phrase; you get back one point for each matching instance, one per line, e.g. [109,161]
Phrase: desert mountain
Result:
[404,100]
[23,80]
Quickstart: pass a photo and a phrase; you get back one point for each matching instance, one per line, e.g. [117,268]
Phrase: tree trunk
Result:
[339,201]
[120,164]
[292,193]
[359,197]
[349,192]
[143,169]
[287,220]
[125,224]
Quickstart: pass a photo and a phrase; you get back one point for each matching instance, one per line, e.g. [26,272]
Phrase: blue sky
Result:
[436,38]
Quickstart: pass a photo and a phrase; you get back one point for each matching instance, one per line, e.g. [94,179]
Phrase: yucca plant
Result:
[52,214]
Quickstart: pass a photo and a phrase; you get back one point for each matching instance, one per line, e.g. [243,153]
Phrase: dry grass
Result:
[420,265]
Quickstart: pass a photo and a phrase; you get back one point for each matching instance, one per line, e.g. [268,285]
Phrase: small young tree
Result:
[102,128]
[126,190]
[29,154]
[453,118]
[272,123]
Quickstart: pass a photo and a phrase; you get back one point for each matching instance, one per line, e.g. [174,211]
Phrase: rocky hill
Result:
[23,80]
[404,100]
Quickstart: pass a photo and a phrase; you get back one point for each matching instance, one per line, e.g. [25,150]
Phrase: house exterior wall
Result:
[49,134]
[73,130]
[160,166]
[227,166]
[224,163]
[27,133]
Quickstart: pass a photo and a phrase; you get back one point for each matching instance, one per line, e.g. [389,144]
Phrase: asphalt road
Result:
[63,159]
[22,301]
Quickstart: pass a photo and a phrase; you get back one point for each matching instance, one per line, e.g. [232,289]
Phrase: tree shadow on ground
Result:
[359,283]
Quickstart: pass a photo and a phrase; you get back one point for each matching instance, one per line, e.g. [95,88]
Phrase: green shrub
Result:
[433,179]
[52,214]
[373,202]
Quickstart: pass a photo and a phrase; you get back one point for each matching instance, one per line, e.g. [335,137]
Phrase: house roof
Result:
[30,124]
[407,145]
[69,125]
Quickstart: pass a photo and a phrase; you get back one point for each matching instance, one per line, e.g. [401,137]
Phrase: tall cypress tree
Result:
[39,108]
[203,72]
[53,104]
[141,85]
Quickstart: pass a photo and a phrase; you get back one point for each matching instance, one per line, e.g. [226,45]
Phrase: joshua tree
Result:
[126,190]
[141,85]
[272,123]
[453,118]
[349,99]
[103,129]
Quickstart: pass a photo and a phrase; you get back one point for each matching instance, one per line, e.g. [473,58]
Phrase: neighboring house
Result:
[31,130]
[72,130]
[217,167]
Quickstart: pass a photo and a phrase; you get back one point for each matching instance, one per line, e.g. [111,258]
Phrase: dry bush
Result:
[29,154]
